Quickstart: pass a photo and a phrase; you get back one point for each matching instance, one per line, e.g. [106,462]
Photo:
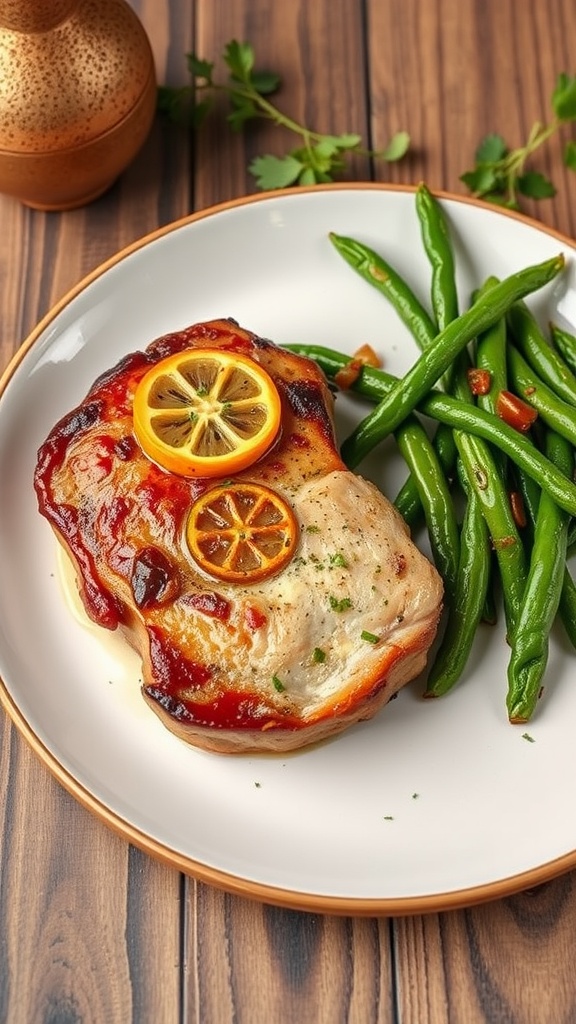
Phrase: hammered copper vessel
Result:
[77,98]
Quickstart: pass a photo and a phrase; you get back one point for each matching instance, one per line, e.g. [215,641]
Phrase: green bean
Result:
[371,382]
[518,448]
[486,481]
[436,358]
[377,272]
[554,411]
[491,355]
[567,605]
[438,248]
[539,354]
[469,602]
[444,299]
[565,342]
[530,640]
[407,501]
[436,501]
[462,416]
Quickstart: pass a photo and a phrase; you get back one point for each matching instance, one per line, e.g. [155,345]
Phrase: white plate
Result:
[432,804]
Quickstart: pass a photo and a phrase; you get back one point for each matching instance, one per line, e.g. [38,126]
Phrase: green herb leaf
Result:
[308,177]
[345,141]
[491,149]
[265,82]
[278,684]
[502,175]
[243,110]
[171,101]
[397,147]
[198,68]
[275,172]
[570,155]
[481,180]
[564,98]
[240,59]
[318,656]
[535,185]
[326,148]
[319,157]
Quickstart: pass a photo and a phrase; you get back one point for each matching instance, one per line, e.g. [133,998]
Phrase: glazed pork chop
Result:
[245,662]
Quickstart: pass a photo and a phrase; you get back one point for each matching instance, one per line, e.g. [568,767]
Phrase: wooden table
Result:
[92,929]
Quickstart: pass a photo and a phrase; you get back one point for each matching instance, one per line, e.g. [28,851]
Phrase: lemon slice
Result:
[206,412]
[241,532]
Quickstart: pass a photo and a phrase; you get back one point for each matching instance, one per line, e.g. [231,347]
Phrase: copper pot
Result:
[77,98]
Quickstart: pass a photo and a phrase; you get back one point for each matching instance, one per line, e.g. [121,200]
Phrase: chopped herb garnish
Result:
[370,638]
[528,737]
[415,796]
[388,817]
[338,560]
[278,684]
[339,604]
[312,528]
[257,784]
[318,655]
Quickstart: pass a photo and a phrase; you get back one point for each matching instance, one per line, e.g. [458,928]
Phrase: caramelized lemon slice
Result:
[206,412]
[241,532]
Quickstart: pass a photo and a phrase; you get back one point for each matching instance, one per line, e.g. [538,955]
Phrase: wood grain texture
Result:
[277,964]
[92,930]
[318,51]
[453,73]
[507,961]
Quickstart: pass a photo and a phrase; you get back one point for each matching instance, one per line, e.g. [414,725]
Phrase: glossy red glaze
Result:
[209,603]
[255,618]
[177,677]
[122,518]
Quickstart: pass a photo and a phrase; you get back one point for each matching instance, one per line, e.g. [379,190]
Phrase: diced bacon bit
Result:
[348,375]
[479,381]
[515,412]
[367,356]
[518,511]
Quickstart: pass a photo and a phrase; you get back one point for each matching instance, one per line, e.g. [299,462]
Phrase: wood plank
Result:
[250,962]
[91,927]
[431,65]
[308,45]
[510,960]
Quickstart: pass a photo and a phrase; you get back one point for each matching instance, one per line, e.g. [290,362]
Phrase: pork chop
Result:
[271,665]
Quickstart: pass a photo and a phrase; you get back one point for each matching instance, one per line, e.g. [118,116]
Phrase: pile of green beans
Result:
[499,503]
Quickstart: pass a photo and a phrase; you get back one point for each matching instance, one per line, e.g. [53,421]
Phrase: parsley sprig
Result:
[317,157]
[502,175]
